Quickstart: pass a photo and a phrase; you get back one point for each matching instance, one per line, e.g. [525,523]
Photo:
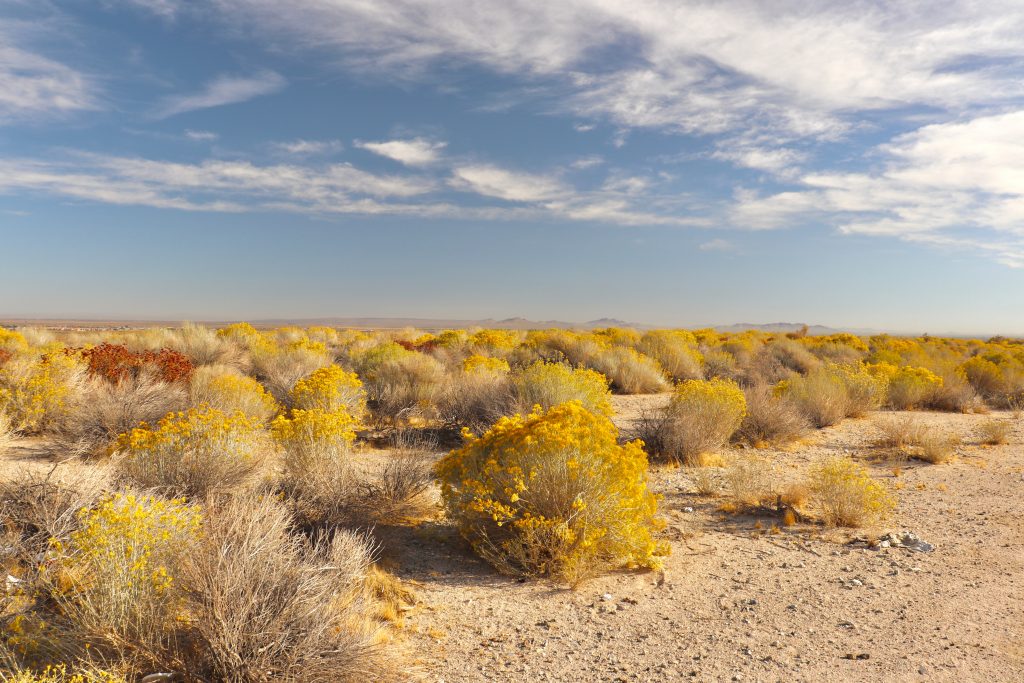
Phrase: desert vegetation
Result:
[224,521]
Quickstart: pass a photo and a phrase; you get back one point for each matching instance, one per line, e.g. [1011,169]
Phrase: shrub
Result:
[936,447]
[911,387]
[629,372]
[549,384]
[995,432]
[830,393]
[6,432]
[102,411]
[278,369]
[60,674]
[486,364]
[194,453]
[330,389]
[984,376]
[114,363]
[899,433]
[553,494]
[269,605]
[675,351]
[203,346]
[846,495]
[770,419]
[477,396]
[751,480]
[410,385]
[114,579]
[955,394]
[318,475]
[37,392]
[229,391]
[494,341]
[399,490]
[699,418]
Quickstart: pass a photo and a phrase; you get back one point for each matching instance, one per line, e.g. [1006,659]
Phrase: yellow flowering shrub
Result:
[231,392]
[451,339]
[194,453]
[114,578]
[330,389]
[983,374]
[846,495]
[485,364]
[37,391]
[911,387]
[698,419]
[548,384]
[12,341]
[495,340]
[60,674]
[303,428]
[629,371]
[676,352]
[553,494]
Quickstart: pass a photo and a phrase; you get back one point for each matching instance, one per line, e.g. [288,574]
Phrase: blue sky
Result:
[853,164]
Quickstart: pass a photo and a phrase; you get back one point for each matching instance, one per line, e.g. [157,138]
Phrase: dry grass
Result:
[629,372]
[105,410]
[400,491]
[956,395]
[269,605]
[204,347]
[407,388]
[279,371]
[770,419]
[750,480]
[475,400]
[907,437]
[995,432]
[6,432]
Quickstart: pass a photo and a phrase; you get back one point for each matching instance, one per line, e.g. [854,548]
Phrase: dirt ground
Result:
[739,601]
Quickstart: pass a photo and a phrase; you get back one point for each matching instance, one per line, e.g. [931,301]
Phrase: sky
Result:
[857,164]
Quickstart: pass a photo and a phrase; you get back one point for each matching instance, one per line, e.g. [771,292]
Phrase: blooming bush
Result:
[553,494]
[330,389]
[911,387]
[114,578]
[230,392]
[831,392]
[628,371]
[846,495]
[60,674]
[478,363]
[676,352]
[194,453]
[37,392]
[548,384]
[699,418]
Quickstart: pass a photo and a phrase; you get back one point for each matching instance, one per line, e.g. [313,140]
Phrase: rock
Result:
[687,509]
[856,582]
[908,540]
[163,677]
[923,670]
[607,597]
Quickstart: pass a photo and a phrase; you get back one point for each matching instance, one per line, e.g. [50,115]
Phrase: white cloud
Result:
[513,186]
[32,85]
[221,91]
[958,183]
[201,135]
[414,152]
[310,147]
[589,161]
[795,69]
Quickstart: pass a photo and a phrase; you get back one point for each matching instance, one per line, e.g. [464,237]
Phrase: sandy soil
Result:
[737,602]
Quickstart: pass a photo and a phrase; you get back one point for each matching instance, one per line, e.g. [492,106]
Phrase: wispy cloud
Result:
[222,91]
[309,147]
[32,85]
[717,244]
[201,135]
[414,152]
[513,186]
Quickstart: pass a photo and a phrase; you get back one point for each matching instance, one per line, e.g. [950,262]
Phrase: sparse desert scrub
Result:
[700,417]
[844,494]
[910,387]
[770,419]
[115,362]
[547,384]
[553,494]
[406,388]
[37,391]
[995,432]
[955,395]
[399,491]
[6,431]
[675,351]
[229,391]
[751,480]
[720,364]
[329,389]
[194,453]
[629,372]
[906,437]
[62,674]
[269,605]
[104,410]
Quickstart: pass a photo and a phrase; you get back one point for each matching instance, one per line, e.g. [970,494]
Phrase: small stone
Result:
[856,582]
[687,509]
[607,597]
[923,670]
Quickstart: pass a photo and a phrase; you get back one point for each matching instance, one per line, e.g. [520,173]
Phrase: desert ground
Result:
[742,597]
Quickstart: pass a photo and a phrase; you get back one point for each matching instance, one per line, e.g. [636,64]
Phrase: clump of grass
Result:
[995,432]
[751,480]
[400,491]
[844,494]
[832,392]
[770,419]
[6,431]
[907,437]
[629,372]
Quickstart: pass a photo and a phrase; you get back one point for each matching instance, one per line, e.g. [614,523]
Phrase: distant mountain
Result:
[450,323]
[782,328]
